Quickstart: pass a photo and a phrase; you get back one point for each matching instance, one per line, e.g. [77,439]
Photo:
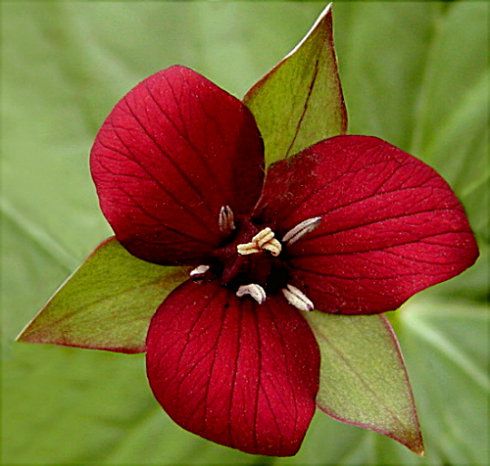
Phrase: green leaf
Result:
[106,304]
[299,102]
[453,113]
[419,78]
[447,348]
[363,380]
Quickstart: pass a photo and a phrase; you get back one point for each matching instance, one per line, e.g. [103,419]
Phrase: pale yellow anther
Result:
[253,290]
[301,229]
[199,271]
[263,240]
[226,219]
[297,298]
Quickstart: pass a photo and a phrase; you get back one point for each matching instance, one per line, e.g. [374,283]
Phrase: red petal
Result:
[171,153]
[391,226]
[234,372]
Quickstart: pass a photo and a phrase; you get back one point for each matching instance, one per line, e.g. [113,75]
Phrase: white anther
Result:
[226,219]
[199,271]
[301,229]
[264,239]
[254,290]
[297,298]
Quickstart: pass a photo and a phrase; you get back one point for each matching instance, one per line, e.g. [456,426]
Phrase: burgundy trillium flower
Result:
[351,225]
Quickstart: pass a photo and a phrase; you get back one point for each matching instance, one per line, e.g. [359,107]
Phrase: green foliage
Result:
[106,304]
[363,378]
[299,102]
[415,74]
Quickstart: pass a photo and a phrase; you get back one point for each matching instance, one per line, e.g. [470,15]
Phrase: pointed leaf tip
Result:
[363,379]
[300,101]
[107,303]
[321,17]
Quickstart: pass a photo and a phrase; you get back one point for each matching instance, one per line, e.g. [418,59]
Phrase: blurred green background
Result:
[415,74]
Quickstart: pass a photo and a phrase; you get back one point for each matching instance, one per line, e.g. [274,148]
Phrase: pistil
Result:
[263,240]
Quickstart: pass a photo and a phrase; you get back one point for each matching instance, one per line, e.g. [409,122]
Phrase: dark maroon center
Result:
[233,270]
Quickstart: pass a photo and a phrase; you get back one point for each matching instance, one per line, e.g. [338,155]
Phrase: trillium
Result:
[351,225]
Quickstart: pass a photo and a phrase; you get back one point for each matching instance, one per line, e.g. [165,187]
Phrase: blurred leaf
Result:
[453,111]
[299,102]
[419,78]
[106,304]
[447,347]
[363,380]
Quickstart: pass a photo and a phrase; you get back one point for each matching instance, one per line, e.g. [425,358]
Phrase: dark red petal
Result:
[171,153]
[234,372]
[391,226]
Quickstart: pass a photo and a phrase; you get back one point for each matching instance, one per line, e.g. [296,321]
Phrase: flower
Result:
[351,225]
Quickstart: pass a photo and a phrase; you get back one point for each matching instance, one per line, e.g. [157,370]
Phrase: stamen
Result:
[264,239]
[226,219]
[198,272]
[297,298]
[301,229]
[254,290]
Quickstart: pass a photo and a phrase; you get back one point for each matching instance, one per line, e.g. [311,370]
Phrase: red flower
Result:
[351,225]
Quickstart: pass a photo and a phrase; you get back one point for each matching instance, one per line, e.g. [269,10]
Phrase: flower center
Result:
[250,255]
[253,262]
[263,240]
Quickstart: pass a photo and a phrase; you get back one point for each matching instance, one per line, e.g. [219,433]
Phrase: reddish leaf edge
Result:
[137,350]
[418,446]
[25,337]
[326,13]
